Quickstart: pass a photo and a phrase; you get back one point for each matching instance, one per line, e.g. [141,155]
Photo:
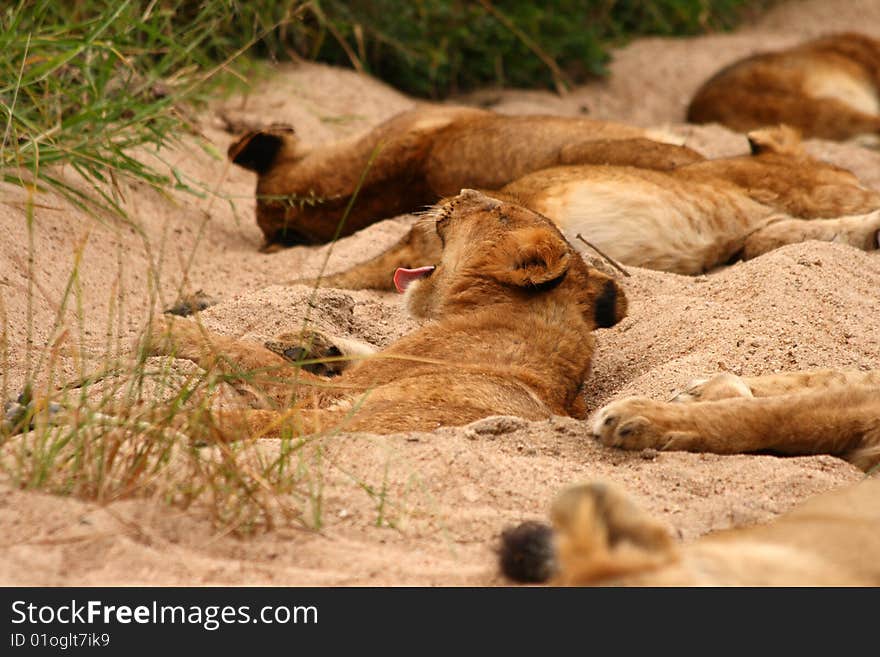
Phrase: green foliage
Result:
[433,48]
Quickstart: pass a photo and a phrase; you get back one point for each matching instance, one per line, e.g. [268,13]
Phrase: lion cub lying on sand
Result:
[828,88]
[511,307]
[834,539]
[600,537]
[688,220]
[417,157]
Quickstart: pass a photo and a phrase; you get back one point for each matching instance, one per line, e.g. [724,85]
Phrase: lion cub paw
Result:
[310,345]
[721,386]
[597,531]
[640,423]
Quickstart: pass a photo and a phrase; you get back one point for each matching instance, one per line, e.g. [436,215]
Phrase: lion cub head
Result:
[782,145]
[497,251]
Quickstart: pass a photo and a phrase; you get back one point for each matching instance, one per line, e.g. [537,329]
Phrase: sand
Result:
[448,493]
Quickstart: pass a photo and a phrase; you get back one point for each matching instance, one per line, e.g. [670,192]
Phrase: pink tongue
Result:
[403,277]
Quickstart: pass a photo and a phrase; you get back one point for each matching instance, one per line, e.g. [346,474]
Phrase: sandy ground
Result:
[448,493]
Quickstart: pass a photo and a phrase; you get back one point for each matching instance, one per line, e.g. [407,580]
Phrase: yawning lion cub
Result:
[512,308]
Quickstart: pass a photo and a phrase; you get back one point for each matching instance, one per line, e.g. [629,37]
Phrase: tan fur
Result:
[828,88]
[817,412]
[417,157]
[601,538]
[688,220]
[511,310]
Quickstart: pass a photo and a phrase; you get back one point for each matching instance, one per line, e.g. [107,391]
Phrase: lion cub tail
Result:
[598,533]
[528,553]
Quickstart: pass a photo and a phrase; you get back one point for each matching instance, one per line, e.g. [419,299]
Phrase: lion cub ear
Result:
[258,150]
[530,257]
[776,139]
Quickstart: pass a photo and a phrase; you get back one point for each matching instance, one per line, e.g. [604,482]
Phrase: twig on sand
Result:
[607,258]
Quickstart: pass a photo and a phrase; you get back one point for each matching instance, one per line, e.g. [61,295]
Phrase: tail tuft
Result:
[527,553]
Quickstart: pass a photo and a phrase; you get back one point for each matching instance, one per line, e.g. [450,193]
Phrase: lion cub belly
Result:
[665,226]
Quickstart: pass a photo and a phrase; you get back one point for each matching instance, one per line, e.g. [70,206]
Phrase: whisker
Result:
[424,222]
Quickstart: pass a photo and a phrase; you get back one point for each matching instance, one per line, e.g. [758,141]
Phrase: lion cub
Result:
[512,309]
[417,157]
[599,537]
[829,88]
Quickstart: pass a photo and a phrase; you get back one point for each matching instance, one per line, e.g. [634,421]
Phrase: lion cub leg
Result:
[726,385]
[186,339]
[861,231]
[720,386]
[842,421]
[318,353]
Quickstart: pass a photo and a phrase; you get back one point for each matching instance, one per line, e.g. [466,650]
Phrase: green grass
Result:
[86,84]
[129,428]
[133,426]
[433,48]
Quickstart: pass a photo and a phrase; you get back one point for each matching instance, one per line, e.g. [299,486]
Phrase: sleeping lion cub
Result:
[512,309]
[834,539]
[417,157]
[828,88]
[687,220]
